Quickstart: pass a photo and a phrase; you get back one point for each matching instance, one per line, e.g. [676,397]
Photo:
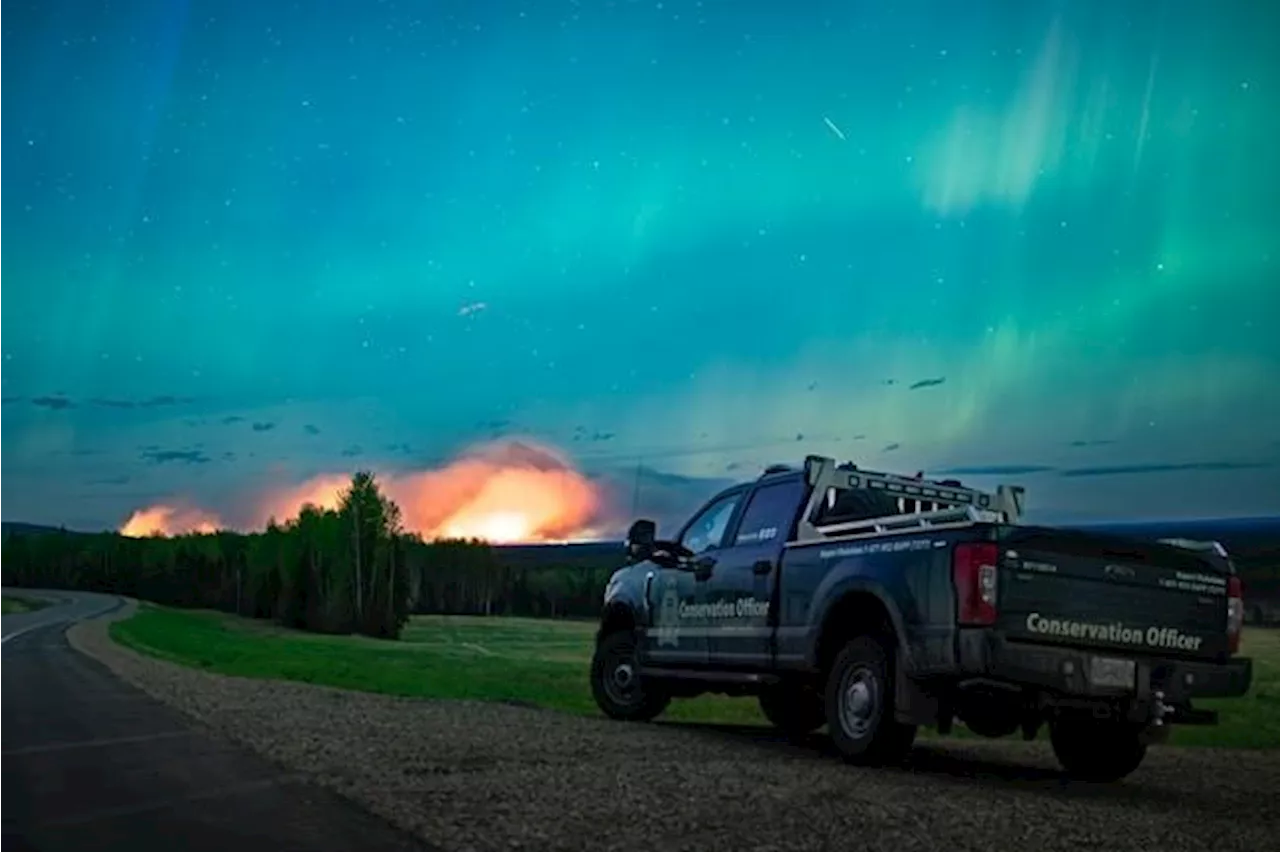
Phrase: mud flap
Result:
[912,705]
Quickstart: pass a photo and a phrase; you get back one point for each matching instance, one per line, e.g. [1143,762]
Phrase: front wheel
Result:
[1096,750]
[860,705]
[616,685]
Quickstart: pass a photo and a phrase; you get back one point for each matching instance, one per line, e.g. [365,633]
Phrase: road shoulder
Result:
[91,762]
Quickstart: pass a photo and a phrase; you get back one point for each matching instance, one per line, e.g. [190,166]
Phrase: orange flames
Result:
[169,520]
[503,492]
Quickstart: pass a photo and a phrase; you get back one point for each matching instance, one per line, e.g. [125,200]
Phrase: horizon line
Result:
[1222,519]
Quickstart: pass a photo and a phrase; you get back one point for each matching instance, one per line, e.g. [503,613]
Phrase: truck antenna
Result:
[635,493]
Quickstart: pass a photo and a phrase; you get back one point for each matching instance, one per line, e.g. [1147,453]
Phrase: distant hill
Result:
[1254,545]
[21,528]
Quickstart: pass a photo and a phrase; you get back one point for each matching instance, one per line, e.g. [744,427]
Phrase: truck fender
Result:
[838,592]
[625,606]
[617,615]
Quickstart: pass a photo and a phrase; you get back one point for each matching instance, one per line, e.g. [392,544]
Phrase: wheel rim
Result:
[859,701]
[620,681]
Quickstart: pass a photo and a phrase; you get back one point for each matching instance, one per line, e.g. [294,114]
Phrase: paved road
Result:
[91,763]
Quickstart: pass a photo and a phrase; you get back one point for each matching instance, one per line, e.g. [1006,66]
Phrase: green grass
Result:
[538,662]
[521,660]
[15,605]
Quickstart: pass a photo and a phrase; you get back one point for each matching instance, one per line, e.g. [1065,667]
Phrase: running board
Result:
[708,676]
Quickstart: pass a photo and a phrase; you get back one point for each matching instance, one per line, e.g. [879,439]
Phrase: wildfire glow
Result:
[324,492]
[503,492]
[499,527]
[169,520]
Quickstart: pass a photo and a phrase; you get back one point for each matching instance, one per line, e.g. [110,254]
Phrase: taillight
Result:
[973,571]
[1235,613]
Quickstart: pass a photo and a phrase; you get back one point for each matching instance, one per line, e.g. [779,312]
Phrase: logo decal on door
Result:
[667,629]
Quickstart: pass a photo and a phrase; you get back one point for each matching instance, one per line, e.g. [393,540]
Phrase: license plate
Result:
[1107,671]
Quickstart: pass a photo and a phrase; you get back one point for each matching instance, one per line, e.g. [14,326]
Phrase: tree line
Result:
[349,570]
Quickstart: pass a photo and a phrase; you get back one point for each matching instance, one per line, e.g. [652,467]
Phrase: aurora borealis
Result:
[253,243]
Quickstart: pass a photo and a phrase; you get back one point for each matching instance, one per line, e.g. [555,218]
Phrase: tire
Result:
[616,684]
[1097,751]
[859,704]
[795,710]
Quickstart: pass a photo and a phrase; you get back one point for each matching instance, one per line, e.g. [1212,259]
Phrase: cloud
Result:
[263,427]
[891,447]
[927,383]
[149,402]
[472,308]
[1125,470]
[234,418]
[158,456]
[9,400]
[993,470]
[352,452]
[57,403]
[311,430]
[111,480]
[580,434]
[1095,443]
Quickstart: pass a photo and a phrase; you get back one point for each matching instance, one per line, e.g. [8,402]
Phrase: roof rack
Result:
[776,468]
[936,503]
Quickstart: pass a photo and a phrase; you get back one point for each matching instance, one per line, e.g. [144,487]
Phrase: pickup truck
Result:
[874,604]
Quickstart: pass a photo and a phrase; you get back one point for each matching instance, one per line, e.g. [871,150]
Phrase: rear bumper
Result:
[1065,670]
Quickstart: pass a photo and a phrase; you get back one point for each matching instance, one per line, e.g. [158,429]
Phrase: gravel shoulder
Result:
[477,776]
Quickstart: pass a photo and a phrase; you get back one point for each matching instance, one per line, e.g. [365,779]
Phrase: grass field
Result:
[13,605]
[537,662]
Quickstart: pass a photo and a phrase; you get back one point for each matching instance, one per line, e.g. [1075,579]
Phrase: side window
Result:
[769,514]
[707,529]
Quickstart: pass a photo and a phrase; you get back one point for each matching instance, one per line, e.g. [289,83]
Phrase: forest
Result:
[349,570]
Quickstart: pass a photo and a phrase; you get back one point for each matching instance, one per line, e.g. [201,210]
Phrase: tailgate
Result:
[1091,590]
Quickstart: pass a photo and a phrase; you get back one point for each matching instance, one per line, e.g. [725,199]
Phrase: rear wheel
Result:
[616,684]
[860,705]
[1092,750]
[795,710]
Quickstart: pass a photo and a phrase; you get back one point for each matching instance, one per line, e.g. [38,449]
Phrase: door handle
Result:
[702,567]
[764,566]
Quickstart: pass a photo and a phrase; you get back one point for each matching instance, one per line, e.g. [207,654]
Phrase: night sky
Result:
[251,242]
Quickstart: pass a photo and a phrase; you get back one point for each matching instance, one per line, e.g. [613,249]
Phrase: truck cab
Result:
[873,603]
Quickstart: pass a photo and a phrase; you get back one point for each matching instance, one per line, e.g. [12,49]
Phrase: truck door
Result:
[740,590]
[677,634]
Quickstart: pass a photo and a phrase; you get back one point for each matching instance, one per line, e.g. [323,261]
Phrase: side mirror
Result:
[640,539]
